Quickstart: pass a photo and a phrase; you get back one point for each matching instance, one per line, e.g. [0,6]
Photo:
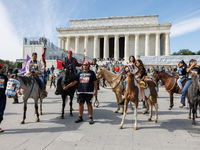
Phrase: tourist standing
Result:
[53,80]
[52,69]
[86,80]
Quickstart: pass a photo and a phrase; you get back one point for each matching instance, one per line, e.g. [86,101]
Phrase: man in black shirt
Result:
[86,80]
[3,84]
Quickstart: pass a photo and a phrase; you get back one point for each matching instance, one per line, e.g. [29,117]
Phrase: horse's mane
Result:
[27,80]
[109,72]
[165,73]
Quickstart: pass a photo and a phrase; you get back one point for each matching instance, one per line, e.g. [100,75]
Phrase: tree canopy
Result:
[186,52]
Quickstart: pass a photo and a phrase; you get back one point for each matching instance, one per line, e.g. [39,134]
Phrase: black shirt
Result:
[194,70]
[3,84]
[85,82]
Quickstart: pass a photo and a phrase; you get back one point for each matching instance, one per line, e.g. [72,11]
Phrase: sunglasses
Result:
[85,64]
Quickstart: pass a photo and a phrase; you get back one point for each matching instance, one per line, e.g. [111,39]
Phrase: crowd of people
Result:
[87,81]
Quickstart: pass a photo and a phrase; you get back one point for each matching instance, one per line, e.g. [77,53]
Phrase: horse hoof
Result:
[122,113]
[116,111]
[149,119]
[62,117]
[71,115]
[194,123]
[37,120]
[135,128]
[144,112]
[170,108]
[22,122]
[120,127]
[155,121]
[41,113]
[189,117]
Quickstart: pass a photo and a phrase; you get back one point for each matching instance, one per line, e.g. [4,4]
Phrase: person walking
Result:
[53,80]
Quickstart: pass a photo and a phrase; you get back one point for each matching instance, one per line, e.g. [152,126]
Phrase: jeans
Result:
[184,92]
[2,107]
[104,80]
[179,82]
[42,81]
[53,84]
[125,84]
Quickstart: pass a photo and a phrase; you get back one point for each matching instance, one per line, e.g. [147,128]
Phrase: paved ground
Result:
[173,130]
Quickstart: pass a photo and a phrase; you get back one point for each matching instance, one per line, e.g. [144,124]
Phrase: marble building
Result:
[117,37]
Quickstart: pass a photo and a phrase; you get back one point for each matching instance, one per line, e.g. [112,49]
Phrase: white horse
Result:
[31,88]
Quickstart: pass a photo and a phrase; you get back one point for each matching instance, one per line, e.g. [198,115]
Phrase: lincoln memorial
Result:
[117,37]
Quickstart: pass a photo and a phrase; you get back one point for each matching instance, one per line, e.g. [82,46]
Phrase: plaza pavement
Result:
[173,130]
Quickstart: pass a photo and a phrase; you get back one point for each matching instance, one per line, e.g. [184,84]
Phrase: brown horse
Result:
[170,85]
[116,83]
[133,94]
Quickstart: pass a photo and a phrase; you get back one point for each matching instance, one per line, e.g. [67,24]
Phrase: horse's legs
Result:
[25,108]
[63,105]
[126,106]
[135,114]
[196,106]
[171,100]
[156,115]
[119,99]
[71,103]
[151,107]
[147,107]
[36,109]
[190,109]
[40,106]
[193,111]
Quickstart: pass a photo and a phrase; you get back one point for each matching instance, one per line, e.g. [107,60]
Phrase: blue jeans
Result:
[42,81]
[184,92]
[104,80]
[52,83]
[125,83]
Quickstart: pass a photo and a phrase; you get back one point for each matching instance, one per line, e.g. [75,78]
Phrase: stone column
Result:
[67,46]
[157,52]
[105,49]
[77,44]
[96,47]
[63,43]
[60,43]
[126,47]
[86,45]
[137,46]
[116,47]
[167,44]
[147,48]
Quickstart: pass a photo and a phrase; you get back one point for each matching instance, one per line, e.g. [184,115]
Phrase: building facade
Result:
[117,37]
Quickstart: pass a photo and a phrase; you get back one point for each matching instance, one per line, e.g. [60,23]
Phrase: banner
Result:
[59,64]
[24,69]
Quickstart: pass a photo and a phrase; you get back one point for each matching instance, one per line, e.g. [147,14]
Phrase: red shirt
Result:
[75,62]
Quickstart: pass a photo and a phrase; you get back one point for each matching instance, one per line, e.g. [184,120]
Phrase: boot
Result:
[15,101]
[58,90]
[144,106]
[122,102]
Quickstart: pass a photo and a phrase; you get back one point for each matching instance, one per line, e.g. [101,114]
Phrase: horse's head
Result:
[156,76]
[99,74]
[198,81]
[127,69]
[67,74]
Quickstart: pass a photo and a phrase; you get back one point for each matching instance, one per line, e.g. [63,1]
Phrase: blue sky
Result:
[34,18]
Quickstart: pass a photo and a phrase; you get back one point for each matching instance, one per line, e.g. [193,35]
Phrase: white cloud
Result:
[185,26]
[10,43]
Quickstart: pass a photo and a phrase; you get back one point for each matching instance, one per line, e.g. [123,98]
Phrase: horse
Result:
[31,87]
[170,85]
[67,77]
[133,94]
[116,83]
[194,97]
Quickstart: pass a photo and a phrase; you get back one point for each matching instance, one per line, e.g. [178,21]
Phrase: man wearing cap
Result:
[86,80]
[67,61]
[35,66]
[3,84]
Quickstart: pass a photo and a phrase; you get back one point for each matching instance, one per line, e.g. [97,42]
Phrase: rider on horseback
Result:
[35,67]
[181,70]
[67,60]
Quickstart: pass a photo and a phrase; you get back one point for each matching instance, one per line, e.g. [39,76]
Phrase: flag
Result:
[59,64]
[24,69]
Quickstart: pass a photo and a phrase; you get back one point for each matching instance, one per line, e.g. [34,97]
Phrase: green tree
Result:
[184,52]
[198,52]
